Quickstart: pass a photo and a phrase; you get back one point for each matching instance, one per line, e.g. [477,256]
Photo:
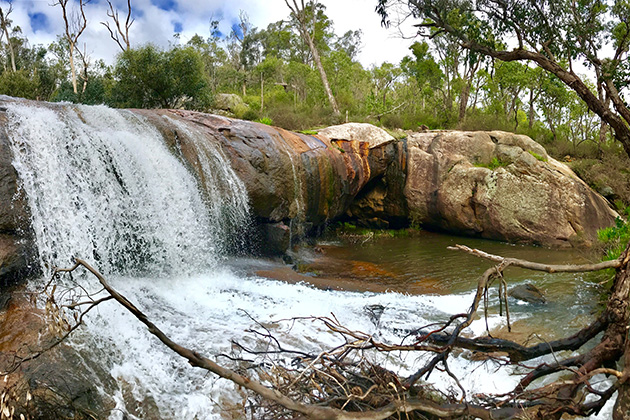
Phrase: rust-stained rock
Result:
[298,179]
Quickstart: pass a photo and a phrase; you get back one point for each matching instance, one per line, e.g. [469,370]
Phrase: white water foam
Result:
[102,186]
[207,311]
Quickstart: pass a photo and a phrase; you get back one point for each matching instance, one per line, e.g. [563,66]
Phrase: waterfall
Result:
[224,193]
[103,186]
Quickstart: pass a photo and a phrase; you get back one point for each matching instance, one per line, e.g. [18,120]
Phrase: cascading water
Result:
[102,185]
[225,194]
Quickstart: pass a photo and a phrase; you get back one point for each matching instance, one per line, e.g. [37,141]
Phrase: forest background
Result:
[275,73]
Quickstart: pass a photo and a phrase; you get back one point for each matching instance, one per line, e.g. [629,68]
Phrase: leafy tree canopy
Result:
[557,35]
[149,77]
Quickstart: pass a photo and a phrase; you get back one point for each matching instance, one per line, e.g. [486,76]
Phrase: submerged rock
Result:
[527,293]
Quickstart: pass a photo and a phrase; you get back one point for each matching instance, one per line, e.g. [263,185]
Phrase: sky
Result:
[156,21]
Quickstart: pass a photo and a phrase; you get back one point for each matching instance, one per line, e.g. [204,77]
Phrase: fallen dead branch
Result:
[341,383]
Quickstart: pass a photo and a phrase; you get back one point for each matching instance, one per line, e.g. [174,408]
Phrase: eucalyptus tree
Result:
[120,33]
[148,77]
[421,65]
[5,24]
[306,23]
[350,43]
[243,49]
[555,35]
[75,23]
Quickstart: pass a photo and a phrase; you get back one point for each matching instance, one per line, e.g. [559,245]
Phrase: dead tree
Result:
[5,23]
[299,13]
[120,34]
[75,23]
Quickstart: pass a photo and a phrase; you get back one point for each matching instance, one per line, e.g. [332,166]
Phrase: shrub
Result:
[614,239]
[250,115]
[265,120]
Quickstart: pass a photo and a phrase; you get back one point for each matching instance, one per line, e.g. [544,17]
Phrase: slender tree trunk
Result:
[73,70]
[262,93]
[322,74]
[463,103]
[530,114]
[11,52]
[5,29]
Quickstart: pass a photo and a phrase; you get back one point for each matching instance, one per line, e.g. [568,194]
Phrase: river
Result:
[103,186]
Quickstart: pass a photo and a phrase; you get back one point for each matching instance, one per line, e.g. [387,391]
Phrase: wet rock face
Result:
[16,249]
[500,186]
[60,383]
[298,180]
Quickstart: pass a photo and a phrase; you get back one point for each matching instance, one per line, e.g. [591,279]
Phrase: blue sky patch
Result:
[166,5]
[237,30]
[39,21]
[177,27]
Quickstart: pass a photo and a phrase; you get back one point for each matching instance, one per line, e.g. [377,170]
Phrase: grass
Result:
[537,156]
[265,120]
[347,228]
[494,164]
[615,238]
[309,132]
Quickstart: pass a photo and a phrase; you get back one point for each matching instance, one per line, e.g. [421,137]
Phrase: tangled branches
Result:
[349,381]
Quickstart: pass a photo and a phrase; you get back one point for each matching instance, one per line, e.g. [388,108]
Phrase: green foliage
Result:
[148,77]
[265,120]
[20,83]
[614,239]
[495,163]
[537,156]
[250,115]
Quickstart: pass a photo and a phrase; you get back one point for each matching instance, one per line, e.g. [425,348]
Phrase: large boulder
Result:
[60,381]
[229,102]
[500,186]
[369,133]
[295,180]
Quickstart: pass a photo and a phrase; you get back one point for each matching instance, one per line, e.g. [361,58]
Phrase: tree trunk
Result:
[530,114]
[463,103]
[73,70]
[11,52]
[322,73]
[621,411]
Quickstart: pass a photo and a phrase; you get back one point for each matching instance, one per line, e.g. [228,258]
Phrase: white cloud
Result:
[156,25]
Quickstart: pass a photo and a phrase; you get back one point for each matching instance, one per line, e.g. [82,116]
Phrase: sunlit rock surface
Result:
[500,186]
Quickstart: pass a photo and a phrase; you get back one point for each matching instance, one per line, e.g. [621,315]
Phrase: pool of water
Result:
[422,264]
